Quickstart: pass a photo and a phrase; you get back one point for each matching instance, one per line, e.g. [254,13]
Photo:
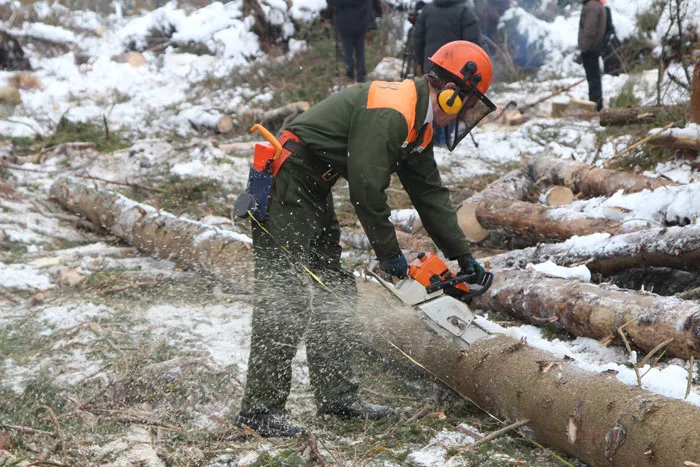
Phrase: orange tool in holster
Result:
[267,160]
[434,274]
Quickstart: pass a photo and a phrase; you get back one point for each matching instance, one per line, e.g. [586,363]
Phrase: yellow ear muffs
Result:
[449,100]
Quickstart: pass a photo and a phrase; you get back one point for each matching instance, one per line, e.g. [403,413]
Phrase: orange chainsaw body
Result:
[428,269]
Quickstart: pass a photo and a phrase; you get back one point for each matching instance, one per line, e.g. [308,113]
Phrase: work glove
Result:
[468,265]
[397,267]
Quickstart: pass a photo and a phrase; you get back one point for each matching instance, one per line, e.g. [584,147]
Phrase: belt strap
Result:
[325,170]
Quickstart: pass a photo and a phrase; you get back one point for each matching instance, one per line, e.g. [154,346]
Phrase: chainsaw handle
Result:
[484,284]
[269,137]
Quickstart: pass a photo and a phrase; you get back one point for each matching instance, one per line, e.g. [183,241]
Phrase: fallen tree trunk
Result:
[677,138]
[222,253]
[499,207]
[671,247]
[587,180]
[634,115]
[594,311]
[661,281]
[538,221]
[593,417]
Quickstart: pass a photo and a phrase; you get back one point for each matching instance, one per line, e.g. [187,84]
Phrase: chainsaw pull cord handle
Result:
[270,139]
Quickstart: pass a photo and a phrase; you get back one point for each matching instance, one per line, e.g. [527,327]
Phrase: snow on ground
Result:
[157,100]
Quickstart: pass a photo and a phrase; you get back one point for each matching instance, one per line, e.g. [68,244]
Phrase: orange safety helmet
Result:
[464,72]
[453,57]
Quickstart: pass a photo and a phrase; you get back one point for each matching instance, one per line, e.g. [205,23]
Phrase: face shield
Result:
[476,106]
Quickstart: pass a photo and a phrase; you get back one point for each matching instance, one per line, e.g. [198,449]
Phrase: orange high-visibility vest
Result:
[403,98]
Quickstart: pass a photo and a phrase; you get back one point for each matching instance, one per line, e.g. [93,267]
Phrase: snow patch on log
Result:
[550,269]
[670,204]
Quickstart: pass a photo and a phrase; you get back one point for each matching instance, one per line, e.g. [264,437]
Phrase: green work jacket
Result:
[362,133]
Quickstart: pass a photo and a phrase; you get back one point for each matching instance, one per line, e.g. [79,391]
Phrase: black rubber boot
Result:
[270,425]
[358,409]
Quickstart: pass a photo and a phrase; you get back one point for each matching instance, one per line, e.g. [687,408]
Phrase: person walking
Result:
[441,22]
[591,34]
[364,133]
[352,19]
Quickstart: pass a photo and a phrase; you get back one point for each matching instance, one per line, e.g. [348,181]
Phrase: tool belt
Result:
[293,144]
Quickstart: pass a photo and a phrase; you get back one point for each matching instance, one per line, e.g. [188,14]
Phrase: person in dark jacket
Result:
[591,34]
[365,134]
[352,19]
[441,22]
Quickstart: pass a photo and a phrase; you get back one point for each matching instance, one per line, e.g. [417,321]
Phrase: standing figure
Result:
[591,33]
[365,134]
[352,18]
[441,22]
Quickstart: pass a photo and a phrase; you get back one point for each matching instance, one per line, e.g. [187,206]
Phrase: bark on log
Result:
[538,221]
[498,207]
[607,421]
[694,111]
[222,253]
[672,247]
[588,180]
[634,115]
[590,310]
[590,416]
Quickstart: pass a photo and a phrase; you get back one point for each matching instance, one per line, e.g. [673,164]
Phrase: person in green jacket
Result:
[364,134]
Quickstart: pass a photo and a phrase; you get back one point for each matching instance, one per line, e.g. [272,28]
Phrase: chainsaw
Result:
[439,296]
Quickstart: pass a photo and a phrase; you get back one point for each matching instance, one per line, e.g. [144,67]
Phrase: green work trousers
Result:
[289,302]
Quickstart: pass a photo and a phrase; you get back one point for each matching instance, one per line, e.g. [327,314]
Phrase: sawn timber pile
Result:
[591,416]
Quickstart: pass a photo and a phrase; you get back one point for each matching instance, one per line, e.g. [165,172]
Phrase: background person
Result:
[352,19]
[591,33]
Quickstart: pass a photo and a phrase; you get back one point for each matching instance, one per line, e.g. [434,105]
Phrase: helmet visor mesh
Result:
[476,107]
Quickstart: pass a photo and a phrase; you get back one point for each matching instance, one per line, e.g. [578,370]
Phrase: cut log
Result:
[515,185]
[607,421]
[588,180]
[558,196]
[672,247]
[466,218]
[514,117]
[590,416]
[541,222]
[694,110]
[10,95]
[203,120]
[635,115]
[678,138]
[274,119]
[498,207]
[585,309]
[210,250]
